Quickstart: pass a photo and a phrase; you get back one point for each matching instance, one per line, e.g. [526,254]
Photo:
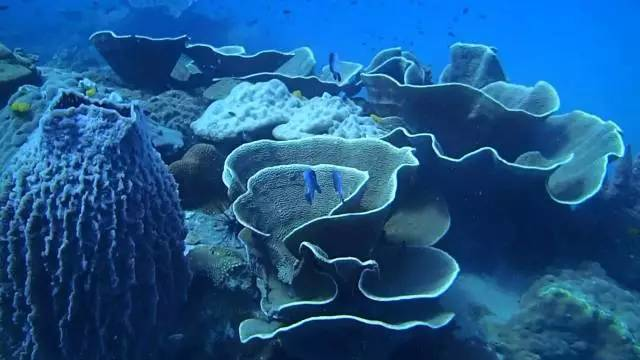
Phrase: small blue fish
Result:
[337,183]
[333,67]
[310,185]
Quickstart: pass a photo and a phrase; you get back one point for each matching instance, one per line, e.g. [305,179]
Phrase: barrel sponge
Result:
[91,238]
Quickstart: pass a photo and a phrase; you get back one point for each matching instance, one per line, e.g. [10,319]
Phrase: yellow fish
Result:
[20,107]
[298,94]
[377,119]
[90,91]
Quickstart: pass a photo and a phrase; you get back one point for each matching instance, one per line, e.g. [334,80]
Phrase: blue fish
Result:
[337,183]
[310,185]
[333,67]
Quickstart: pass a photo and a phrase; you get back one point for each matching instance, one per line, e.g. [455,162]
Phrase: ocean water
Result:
[344,179]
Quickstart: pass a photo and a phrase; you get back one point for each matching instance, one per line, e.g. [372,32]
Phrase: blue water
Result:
[583,48]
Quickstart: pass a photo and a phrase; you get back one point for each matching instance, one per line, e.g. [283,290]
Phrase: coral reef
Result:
[176,109]
[219,228]
[75,58]
[139,60]
[358,259]
[475,65]
[168,142]
[16,68]
[222,294]
[176,63]
[258,110]
[198,175]
[609,226]
[510,121]
[401,65]
[325,264]
[225,268]
[391,61]
[575,314]
[507,144]
[16,127]
[91,238]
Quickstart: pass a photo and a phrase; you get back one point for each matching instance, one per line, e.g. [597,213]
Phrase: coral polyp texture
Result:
[198,175]
[91,238]
[327,264]
[266,110]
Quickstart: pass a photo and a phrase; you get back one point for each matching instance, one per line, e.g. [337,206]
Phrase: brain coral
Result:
[91,238]
[198,175]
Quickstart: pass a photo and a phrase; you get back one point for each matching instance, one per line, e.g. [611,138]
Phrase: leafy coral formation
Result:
[510,121]
[161,63]
[326,263]
[475,65]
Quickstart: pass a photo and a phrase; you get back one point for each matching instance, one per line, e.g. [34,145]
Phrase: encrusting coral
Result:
[16,69]
[269,109]
[575,314]
[198,175]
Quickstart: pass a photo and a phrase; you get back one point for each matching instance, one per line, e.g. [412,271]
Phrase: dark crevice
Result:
[69,99]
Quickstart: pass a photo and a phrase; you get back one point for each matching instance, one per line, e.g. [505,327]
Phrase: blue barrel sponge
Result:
[92,261]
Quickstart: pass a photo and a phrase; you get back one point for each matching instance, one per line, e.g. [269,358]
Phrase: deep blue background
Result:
[587,49]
